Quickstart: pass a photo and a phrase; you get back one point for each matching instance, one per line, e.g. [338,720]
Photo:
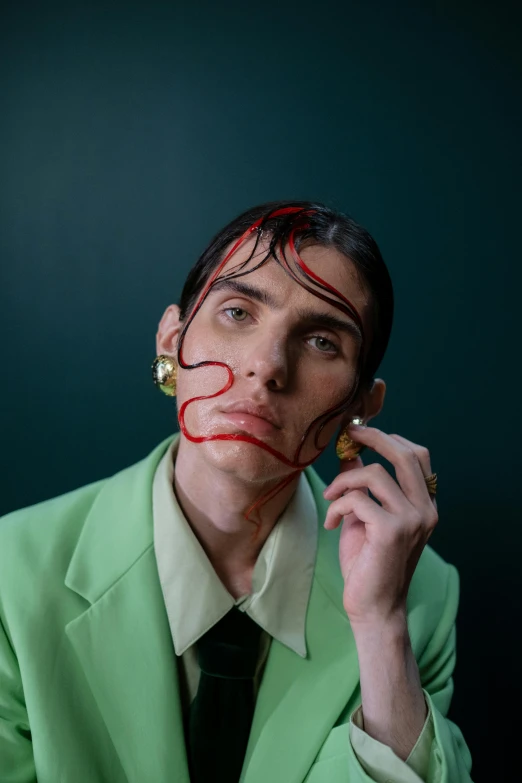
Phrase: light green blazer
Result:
[88,673]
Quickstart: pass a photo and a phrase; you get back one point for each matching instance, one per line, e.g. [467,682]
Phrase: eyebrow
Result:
[324,320]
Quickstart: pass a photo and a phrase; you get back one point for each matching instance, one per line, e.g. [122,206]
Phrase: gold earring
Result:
[345,447]
[165,373]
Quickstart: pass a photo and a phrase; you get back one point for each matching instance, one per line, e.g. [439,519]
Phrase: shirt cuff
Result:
[381,763]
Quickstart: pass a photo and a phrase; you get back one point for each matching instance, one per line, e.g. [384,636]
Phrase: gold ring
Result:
[431,483]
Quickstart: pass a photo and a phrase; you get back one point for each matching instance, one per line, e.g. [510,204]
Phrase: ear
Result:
[368,405]
[374,400]
[168,331]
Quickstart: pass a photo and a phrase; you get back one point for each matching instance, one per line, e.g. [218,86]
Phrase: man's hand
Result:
[381,542]
[380,546]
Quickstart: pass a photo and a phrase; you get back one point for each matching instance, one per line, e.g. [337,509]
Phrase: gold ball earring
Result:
[345,447]
[165,373]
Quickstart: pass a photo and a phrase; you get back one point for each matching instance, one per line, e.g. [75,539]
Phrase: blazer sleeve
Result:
[16,748]
[381,763]
[441,754]
[450,758]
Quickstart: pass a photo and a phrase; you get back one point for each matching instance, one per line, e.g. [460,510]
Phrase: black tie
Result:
[220,715]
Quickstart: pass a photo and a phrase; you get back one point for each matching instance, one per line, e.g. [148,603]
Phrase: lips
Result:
[250,410]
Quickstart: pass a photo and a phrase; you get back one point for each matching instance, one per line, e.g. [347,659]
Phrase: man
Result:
[113,597]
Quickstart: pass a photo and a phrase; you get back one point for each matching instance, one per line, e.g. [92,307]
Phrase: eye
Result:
[324,345]
[236,313]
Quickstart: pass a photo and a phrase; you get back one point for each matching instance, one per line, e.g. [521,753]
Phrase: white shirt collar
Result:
[195,597]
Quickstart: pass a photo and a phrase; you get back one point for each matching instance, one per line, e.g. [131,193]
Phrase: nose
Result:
[267,361]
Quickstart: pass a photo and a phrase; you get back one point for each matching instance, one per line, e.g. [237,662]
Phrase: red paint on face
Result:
[325,292]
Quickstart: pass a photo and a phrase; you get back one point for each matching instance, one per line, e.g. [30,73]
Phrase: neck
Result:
[214,504]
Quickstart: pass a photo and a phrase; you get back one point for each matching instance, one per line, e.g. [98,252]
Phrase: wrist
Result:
[391,689]
[392,627]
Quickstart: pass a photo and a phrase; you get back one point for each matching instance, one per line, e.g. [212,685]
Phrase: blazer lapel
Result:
[300,699]
[123,639]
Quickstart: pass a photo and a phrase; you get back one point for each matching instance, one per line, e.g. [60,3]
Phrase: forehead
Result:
[330,264]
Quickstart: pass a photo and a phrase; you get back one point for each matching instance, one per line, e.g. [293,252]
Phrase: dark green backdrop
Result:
[131,132]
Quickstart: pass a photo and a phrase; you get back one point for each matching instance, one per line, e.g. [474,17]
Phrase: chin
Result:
[245,461]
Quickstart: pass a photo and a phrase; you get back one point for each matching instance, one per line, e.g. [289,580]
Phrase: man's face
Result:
[292,355]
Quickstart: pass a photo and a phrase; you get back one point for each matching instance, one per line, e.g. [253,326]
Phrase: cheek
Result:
[200,382]
[201,345]
[329,430]
[323,390]
[204,342]
[325,387]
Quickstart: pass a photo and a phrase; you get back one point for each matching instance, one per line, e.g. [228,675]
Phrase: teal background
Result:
[131,132]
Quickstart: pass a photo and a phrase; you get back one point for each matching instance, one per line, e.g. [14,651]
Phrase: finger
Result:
[424,458]
[366,509]
[376,479]
[347,465]
[406,463]
[422,453]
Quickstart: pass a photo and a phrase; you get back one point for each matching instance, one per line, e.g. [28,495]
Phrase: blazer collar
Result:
[124,645]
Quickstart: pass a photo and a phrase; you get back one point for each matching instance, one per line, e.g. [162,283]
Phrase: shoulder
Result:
[53,525]
[38,536]
[36,546]
[433,599]
[435,579]
[41,539]
[105,521]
